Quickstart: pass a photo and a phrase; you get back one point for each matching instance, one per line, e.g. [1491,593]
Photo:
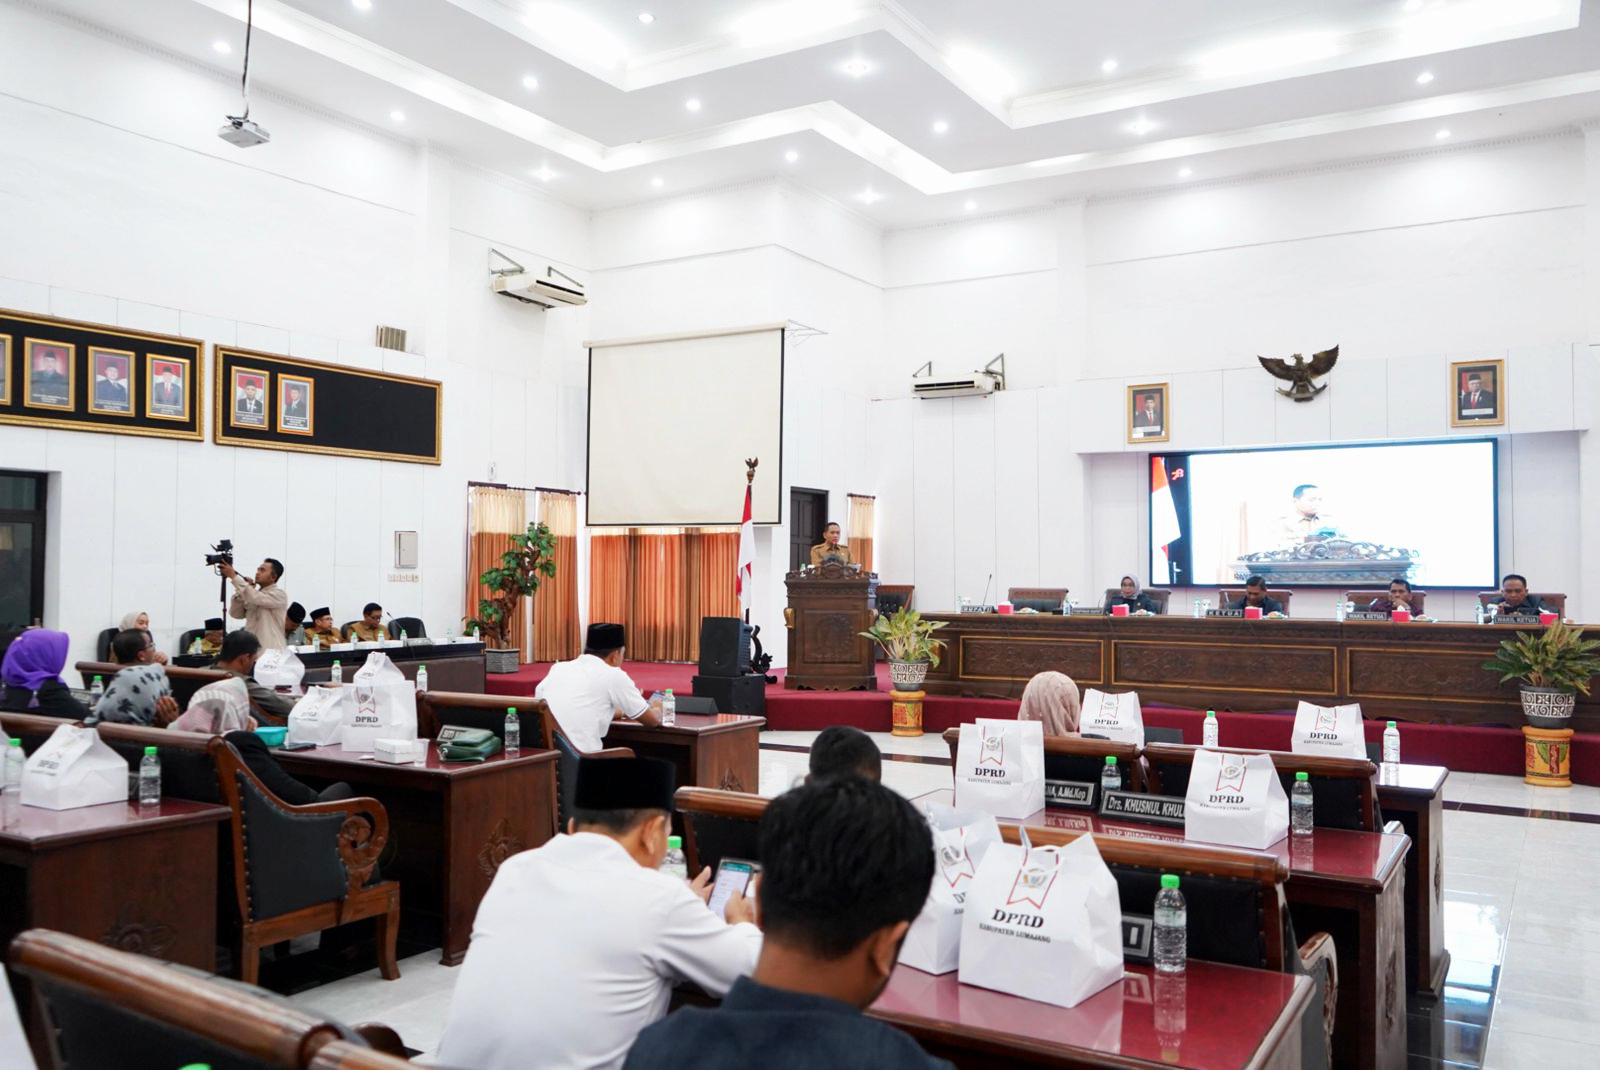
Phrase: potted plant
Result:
[907,641]
[1553,665]
[531,556]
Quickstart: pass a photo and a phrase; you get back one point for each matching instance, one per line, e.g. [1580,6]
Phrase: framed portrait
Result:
[1149,415]
[1477,393]
[113,381]
[5,369]
[167,396]
[47,369]
[247,391]
[295,404]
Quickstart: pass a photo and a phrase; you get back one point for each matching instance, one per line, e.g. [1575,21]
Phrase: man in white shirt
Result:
[577,944]
[260,604]
[589,692]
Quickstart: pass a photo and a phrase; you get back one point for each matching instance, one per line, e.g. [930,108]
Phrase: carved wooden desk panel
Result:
[454,824]
[1415,671]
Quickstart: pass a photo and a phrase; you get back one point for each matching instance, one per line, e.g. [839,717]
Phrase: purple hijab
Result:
[35,656]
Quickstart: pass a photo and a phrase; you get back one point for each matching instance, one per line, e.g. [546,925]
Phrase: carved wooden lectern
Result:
[829,606]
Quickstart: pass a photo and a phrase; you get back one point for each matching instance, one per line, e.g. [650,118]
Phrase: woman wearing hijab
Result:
[217,709]
[31,673]
[1051,697]
[141,620]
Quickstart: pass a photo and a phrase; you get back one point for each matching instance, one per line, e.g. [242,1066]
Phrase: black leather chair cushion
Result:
[102,644]
[187,639]
[1336,800]
[889,604]
[566,777]
[413,627]
[291,860]
[1082,768]
[1152,734]
[1041,605]
[1224,915]
[185,774]
[716,838]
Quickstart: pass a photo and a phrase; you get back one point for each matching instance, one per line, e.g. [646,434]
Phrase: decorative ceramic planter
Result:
[501,661]
[1548,756]
[905,712]
[1546,707]
[907,675]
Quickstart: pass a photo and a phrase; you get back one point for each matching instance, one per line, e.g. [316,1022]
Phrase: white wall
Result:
[122,207]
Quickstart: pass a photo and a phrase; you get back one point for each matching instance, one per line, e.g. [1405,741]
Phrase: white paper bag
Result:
[317,718]
[1117,717]
[1043,923]
[277,669]
[379,703]
[1236,800]
[74,768]
[960,840]
[1000,767]
[1332,731]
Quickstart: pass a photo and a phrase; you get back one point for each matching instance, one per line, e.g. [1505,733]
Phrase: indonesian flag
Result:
[1164,529]
[747,554]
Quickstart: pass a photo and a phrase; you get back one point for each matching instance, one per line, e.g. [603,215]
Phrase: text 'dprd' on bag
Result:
[1000,767]
[1235,800]
[379,703]
[1334,731]
[1043,923]
[1118,717]
[960,840]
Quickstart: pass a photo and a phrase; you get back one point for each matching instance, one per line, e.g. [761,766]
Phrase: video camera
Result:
[223,554]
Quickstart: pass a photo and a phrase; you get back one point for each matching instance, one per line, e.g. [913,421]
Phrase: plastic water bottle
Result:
[674,864]
[336,674]
[1205,606]
[1339,610]
[1171,939]
[1301,811]
[1110,776]
[194,645]
[476,638]
[11,783]
[422,678]
[1391,744]
[669,708]
[513,731]
[149,778]
[1197,612]
[1477,613]
[402,635]
[1208,732]
[97,691]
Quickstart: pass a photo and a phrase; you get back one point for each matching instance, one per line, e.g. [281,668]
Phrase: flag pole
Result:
[749,487]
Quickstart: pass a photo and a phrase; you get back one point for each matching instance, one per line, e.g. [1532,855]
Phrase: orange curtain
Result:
[860,529]
[555,604]
[659,582]
[494,515]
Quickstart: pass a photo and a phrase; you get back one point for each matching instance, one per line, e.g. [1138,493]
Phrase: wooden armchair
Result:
[1043,599]
[1363,599]
[718,824]
[1077,758]
[893,596]
[184,681]
[342,1055]
[302,869]
[101,1008]
[1344,791]
[1229,595]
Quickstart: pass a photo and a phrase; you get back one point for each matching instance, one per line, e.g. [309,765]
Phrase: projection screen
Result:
[671,422]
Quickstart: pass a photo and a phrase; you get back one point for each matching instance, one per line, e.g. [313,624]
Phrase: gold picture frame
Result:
[291,424]
[5,369]
[156,407]
[1486,408]
[1149,412]
[239,379]
[30,348]
[125,361]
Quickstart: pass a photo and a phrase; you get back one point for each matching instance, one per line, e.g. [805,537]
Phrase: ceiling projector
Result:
[242,132]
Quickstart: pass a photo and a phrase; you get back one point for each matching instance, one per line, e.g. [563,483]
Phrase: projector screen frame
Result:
[588,416]
[1494,464]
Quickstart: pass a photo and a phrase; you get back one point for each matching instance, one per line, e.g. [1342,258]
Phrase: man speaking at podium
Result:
[829,549]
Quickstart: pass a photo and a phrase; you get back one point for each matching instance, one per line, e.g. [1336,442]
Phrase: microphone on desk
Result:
[985,599]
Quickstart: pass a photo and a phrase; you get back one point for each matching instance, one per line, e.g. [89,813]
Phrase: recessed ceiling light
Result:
[1425,77]
[544,174]
[658,182]
[970,206]
[693,104]
[1185,172]
[857,67]
[940,126]
[361,5]
[1441,135]
[398,116]
[222,46]
[646,18]
[1142,126]
[868,196]
[791,156]
[1108,66]
[530,82]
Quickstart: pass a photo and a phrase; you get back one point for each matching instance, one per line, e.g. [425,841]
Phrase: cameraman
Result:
[262,604]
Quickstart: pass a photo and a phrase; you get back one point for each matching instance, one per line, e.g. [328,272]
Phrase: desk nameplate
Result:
[1137,806]
[1225,613]
[1368,614]
[1071,794]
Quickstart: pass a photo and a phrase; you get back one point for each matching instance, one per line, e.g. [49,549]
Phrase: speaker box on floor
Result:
[734,694]
[724,646]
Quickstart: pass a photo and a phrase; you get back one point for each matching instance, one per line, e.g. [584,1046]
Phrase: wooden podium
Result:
[828,607]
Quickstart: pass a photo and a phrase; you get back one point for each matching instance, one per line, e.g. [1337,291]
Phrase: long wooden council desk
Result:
[1416,671]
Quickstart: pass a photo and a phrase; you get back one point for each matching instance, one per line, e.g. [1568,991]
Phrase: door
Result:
[22,512]
[808,515]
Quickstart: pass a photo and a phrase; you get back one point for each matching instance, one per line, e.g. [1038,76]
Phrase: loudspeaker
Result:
[734,694]
[724,646]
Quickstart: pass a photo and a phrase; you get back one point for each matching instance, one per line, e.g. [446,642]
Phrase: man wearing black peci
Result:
[1255,594]
[1515,599]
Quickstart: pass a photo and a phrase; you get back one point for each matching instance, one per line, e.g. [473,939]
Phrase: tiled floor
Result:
[1522,922]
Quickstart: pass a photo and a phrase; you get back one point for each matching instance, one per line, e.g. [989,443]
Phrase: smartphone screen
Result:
[733,875]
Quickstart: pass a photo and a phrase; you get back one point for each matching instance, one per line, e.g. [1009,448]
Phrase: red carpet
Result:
[1462,748]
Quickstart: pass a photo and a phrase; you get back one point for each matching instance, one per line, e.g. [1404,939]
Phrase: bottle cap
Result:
[1211,713]
[16,743]
[1111,759]
[336,661]
[196,1066]
[1169,880]
[674,842]
[421,668]
[97,679]
[511,711]
[668,691]
[1391,724]
[1302,776]
[149,750]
